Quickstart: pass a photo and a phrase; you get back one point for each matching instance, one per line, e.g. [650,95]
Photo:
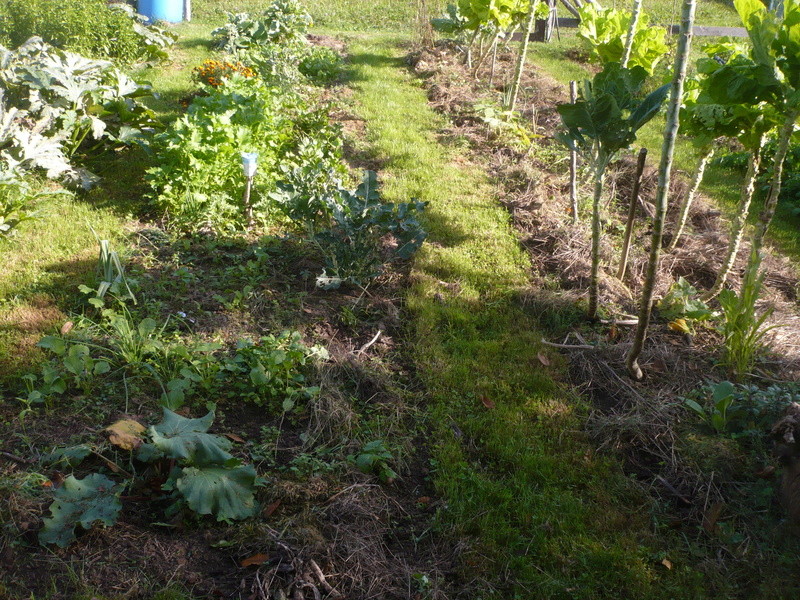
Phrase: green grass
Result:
[341,15]
[537,510]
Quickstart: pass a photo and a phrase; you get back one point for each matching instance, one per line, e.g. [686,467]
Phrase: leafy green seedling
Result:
[719,413]
[374,458]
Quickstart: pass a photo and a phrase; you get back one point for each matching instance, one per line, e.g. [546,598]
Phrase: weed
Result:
[743,328]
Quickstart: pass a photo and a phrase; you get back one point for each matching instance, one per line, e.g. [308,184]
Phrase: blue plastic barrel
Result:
[162,10]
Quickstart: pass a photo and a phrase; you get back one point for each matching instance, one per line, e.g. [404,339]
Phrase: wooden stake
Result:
[626,246]
[573,161]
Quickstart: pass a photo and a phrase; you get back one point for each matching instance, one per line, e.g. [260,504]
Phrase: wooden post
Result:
[573,161]
[248,208]
[626,246]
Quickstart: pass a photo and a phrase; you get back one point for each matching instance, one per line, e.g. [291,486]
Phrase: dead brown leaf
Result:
[271,508]
[256,559]
[234,437]
[543,359]
[712,516]
[667,563]
[487,402]
[67,327]
[125,434]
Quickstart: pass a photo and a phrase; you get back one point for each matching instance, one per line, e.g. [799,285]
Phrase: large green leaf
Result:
[762,27]
[226,493]
[187,439]
[84,502]
[648,108]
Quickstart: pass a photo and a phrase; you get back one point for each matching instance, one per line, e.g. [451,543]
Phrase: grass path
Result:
[541,515]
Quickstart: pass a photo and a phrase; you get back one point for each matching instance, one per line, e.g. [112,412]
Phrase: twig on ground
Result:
[569,346]
[369,343]
[332,592]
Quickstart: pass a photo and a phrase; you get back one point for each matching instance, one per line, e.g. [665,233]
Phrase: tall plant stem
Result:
[765,219]
[739,223]
[469,47]
[523,54]
[594,281]
[688,199]
[573,161]
[484,55]
[626,245]
[494,60]
[664,172]
[635,12]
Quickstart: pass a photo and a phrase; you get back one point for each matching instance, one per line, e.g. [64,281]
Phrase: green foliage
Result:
[717,413]
[742,327]
[375,458]
[203,475]
[498,14]
[84,502]
[453,24]
[199,180]
[90,27]
[58,101]
[17,198]
[505,124]
[351,245]
[112,276]
[226,492]
[712,108]
[284,22]
[606,31]
[744,412]
[207,477]
[272,370]
[322,66]
[681,302]
[610,111]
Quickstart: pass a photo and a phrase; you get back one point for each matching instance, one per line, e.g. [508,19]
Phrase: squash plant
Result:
[604,121]
[201,474]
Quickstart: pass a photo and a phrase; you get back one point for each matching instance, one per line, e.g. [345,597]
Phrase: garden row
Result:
[255,157]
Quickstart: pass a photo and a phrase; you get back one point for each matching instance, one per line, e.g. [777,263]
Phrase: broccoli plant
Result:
[598,126]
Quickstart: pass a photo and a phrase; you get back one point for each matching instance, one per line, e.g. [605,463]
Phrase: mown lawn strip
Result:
[541,514]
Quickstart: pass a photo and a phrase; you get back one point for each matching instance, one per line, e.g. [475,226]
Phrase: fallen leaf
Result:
[487,403]
[67,327]
[47,484]
[544,360]
[680,325]
[272,508]
[256,559]
[613,333]
[425,500]
[712,516]
[234,437]
[125,434]
[667,563]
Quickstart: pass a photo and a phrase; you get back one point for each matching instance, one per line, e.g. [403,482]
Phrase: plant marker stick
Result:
[573,161]
[664,172]
[249,166]
[626,246]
